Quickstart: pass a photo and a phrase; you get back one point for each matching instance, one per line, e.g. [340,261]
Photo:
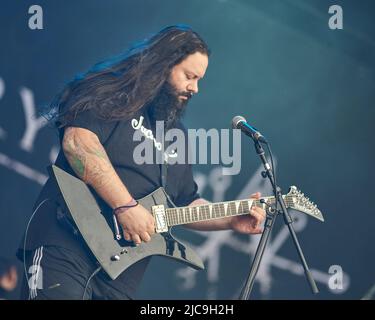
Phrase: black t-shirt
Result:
[140,180]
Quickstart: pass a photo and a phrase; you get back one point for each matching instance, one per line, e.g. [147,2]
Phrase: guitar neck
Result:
[211,211]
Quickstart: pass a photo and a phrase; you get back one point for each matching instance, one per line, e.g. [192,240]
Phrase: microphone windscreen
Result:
[236,120]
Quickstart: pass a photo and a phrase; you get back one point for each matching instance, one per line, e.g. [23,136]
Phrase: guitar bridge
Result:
[160,218]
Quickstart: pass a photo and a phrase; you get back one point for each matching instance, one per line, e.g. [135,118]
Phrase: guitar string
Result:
[174,214]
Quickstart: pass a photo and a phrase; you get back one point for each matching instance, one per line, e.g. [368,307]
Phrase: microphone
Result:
[239,122]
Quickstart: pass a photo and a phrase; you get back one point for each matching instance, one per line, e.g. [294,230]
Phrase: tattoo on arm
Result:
[87,157]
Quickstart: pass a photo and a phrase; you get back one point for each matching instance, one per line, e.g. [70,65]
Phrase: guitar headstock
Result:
[296,200]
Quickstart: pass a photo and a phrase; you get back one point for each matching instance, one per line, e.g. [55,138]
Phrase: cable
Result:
[88,281]
[24,250]
[274,176]
[27,229]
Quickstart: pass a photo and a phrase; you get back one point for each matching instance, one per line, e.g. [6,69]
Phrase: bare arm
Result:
[90,162]
[248,224]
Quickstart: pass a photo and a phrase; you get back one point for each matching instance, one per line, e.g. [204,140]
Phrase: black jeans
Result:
[56,273]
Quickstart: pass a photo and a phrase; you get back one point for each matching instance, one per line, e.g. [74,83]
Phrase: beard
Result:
[168,106]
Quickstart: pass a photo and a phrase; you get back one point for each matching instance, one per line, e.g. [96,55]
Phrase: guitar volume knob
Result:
[115,257]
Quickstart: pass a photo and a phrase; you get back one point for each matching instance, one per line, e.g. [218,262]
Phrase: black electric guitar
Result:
[96,226]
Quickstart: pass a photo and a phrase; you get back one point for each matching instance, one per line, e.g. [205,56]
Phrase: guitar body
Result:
[92,219]
[96,227]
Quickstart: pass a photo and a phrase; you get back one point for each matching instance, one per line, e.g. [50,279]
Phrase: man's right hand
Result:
[137,223]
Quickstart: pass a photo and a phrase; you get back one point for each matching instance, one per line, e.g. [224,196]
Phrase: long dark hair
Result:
[119,87]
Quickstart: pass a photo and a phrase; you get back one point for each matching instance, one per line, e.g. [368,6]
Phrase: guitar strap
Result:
[170,241]
[164,168]
[163,176]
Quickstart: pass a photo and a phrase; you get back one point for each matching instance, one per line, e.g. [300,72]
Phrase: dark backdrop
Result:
[309,88]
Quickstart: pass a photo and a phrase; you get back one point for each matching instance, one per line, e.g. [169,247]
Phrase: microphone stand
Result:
[270,220]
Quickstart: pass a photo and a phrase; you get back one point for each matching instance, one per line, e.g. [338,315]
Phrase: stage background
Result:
[308,88]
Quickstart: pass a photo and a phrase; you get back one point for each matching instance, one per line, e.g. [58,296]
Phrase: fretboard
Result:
[211,211]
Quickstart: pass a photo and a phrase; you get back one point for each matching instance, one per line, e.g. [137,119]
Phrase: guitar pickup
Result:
[161,224]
